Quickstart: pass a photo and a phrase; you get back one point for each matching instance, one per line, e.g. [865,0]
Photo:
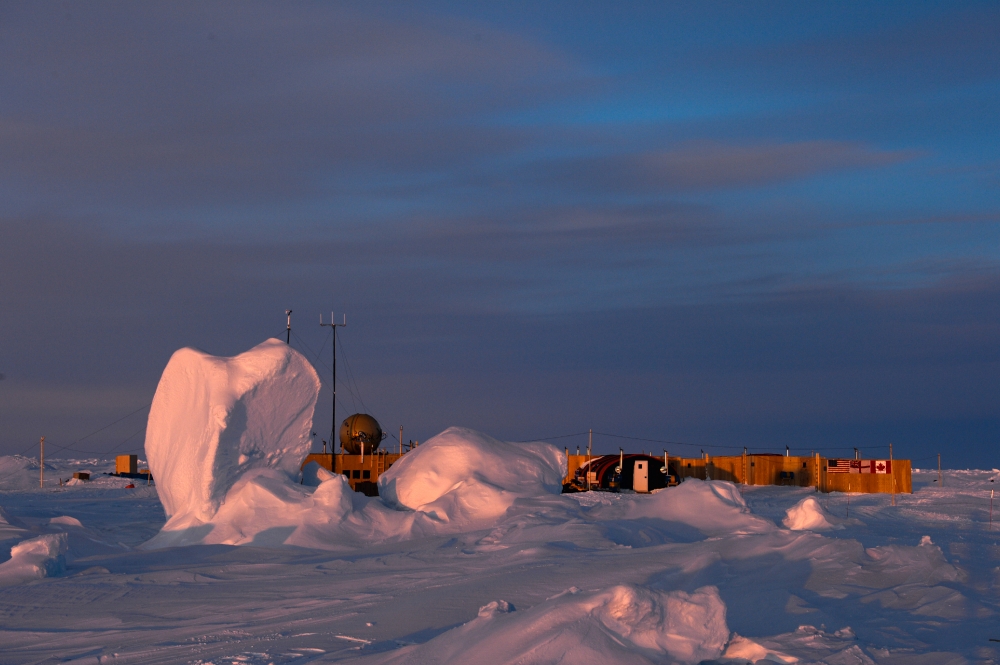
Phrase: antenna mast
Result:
[333,418]
[288,329]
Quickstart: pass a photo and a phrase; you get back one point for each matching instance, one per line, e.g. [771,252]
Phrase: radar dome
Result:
[360,429]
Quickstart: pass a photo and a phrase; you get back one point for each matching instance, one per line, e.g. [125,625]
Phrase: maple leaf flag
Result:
[882,466]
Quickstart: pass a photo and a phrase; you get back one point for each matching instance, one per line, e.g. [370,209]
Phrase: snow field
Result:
[874,591]
[470,554]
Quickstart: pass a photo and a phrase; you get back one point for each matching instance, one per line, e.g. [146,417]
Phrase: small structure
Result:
[126,464]
[81,475]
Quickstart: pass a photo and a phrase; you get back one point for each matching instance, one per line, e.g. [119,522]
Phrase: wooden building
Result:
[362,471]
[772,469]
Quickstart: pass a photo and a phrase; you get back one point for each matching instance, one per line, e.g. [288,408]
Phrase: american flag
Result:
[838,466]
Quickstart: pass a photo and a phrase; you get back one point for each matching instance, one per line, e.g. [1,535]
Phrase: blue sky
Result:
[714,223]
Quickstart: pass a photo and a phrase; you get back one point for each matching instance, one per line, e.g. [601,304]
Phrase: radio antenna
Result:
[288,329]
[333,418]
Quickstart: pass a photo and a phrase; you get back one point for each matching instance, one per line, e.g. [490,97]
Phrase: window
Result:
[803,465]
[355,473]
[366,475]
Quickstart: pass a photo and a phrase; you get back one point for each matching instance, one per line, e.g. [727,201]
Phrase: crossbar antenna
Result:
[333,419]
[288,328]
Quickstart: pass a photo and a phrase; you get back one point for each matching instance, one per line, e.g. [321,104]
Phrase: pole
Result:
[991,510]
[333,418]
[590,448]
[288,327]
[939,470]
[892,476]
[400,439]
[41,463]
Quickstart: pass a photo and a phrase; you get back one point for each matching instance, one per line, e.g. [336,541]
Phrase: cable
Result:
[330,369]
[141,408]
[701,446]
[126,439]
[315,354]
[671,443]
[350,374]
[551,438]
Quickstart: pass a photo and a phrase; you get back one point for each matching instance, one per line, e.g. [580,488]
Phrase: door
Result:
[640,477]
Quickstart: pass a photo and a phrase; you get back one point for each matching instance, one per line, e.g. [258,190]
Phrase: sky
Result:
[719,225]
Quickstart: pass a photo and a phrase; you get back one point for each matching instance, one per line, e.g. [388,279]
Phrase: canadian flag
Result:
[881,466]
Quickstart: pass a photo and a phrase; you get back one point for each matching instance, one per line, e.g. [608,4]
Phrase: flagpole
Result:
[892,476]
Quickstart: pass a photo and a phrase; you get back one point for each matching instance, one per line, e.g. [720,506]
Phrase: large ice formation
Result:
[226,438]
[214,419]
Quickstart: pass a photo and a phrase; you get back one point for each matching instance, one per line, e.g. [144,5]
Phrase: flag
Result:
[881,466]
[838,466]
[855,466]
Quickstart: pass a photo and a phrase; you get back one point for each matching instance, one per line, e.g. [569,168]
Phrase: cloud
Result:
[712,165]
[166,108]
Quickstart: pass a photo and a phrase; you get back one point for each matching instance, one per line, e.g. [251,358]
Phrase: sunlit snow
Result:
[471,554]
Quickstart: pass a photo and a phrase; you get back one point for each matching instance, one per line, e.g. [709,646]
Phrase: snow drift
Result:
[214,419]
[713,507]
[464,476]
[807,515]
[457,483]
[623,624]
[35,558]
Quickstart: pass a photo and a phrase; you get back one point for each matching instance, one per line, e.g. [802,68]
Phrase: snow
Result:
[215,419]
[807,515]
[463,475]
[226,438]
[712,507]
[622,624]
[265,508]
[34,558]
[472,555]
[19,473]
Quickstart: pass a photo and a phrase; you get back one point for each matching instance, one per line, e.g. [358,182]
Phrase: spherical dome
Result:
[360,429]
